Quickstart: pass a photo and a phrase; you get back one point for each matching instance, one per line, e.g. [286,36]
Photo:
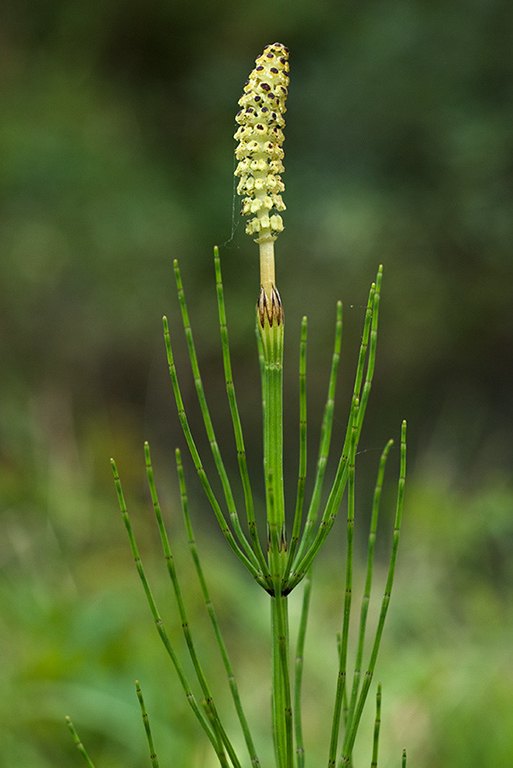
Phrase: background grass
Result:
[117,157]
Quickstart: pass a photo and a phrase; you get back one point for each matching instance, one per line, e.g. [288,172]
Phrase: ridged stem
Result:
[270,322]
[281,695]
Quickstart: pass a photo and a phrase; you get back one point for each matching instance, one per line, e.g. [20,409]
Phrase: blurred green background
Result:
[116,156]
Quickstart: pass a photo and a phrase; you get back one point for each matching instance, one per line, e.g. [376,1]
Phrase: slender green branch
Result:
[365,341]
[207,420]
[153,757]
[202,680]
[344,635]
[328,517]
[156,615]
[352,730]
[364,398]
[251,566]
[300,649]
[212,614]
[174,578]
[339,484]
[298,515]
[79,744]
[324,445]
[237,427]
[377,726]
[219,744]
[368,579]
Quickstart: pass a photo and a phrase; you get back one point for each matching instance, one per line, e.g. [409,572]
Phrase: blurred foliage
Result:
[116,157]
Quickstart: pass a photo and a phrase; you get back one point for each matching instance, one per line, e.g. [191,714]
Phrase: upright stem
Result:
[267,280]
[300,649]
[270,321]
[281,695]
[273,439]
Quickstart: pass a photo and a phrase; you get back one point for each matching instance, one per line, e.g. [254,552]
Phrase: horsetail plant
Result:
[287,557]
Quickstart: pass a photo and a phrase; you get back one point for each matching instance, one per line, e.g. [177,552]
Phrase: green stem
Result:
[270,323]
[237,426]
[200,715]
[353,726]
[303,562]
[210,707]
[213,616]
[79,744]
[281,695]
[368,580]
[250,565]
[300,649]
[324,447]
[149,738]
[207,420]
[298,515]
[344,636]
[273,439]
[377,726]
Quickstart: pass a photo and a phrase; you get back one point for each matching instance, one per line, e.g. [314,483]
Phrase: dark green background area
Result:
[116,157]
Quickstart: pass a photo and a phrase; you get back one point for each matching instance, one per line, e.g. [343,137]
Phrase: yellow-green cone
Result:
[260,154]
[260,138]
